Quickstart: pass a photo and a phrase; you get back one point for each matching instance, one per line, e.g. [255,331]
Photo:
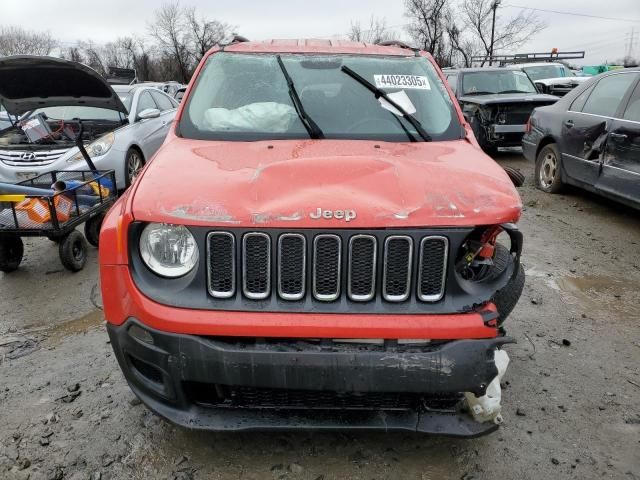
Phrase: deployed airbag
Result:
[263,117]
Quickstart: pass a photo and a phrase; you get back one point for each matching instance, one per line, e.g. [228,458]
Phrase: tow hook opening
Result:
[488,408]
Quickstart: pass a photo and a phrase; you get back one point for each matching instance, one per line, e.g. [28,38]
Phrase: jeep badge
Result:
[346,215]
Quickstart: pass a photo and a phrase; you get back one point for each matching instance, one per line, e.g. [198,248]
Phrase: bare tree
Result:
[462,47]
[427,26]
[170,31]
[18,41]
[205,33]
[376,33]
[510,32]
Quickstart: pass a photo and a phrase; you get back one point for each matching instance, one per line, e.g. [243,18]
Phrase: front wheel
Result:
[11,252]
[548,166]
[132,165]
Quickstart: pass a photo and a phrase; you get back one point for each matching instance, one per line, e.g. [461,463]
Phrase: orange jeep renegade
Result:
[319,244]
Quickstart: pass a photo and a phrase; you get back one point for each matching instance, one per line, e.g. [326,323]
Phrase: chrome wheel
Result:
[134,165]
[548,169]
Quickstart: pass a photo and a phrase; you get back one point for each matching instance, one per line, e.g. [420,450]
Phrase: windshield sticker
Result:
[402,100]
[418,82]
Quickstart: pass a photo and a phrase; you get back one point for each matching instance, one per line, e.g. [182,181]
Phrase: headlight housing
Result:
[168,250]
[97,148]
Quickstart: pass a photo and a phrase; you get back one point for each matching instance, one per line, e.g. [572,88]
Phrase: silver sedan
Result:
[128,148]
[125,149]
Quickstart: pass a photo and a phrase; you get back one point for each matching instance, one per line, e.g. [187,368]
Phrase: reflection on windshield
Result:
[490,82]
[246,97]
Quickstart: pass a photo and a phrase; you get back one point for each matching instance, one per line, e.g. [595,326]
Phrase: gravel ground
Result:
[571,394]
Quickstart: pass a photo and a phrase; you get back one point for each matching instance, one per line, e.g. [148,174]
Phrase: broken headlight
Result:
[485,253]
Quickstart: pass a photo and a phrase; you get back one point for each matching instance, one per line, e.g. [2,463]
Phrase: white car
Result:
[123,126]
[553,78]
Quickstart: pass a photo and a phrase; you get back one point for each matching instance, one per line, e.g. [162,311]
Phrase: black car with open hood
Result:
[497,102]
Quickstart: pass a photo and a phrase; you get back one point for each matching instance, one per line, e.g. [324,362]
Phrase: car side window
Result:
[452,80]
[607,95]
[632,112]
[145,102]
[580,100]
[163,101]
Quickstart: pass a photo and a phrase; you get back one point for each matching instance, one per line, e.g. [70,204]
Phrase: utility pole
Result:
[632,41]
[494,7]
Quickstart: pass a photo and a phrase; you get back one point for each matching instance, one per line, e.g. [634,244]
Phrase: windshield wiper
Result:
[311,126]
[471,94]
[515,91]
[378,92]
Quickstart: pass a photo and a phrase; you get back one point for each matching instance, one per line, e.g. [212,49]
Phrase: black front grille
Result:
[323,267]
[210,395]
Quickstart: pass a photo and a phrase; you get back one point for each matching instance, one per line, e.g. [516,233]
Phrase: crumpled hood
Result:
[284,183]
[500,98]
[28,82]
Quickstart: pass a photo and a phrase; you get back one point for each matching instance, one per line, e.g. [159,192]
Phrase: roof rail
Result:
[552,56]
[399,44]
[239,39]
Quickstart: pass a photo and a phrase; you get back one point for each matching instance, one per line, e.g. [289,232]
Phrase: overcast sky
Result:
[72,20]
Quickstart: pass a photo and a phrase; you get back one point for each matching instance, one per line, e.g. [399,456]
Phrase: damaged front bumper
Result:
[218,383]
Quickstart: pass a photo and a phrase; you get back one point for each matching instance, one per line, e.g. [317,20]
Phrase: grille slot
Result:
[327,259]
[256,265]
[221,259]
[432,268]
[398,255]
[292,266]
[362,267]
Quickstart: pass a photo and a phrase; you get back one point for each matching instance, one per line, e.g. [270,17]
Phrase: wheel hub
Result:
[548,170]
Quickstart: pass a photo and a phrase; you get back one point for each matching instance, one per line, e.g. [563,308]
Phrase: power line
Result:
[576,14]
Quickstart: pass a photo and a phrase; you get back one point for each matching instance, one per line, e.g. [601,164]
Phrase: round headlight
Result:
[168,250]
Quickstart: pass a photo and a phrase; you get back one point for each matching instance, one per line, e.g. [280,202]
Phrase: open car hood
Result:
[29,82]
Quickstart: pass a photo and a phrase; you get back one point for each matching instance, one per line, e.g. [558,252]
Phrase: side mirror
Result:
[149,113]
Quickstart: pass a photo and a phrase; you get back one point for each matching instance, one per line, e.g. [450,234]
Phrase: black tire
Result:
[507,298]
[548,169]
[92,229]
[73,251]
[478,132]
[134,161]
[11,252]
[516,176]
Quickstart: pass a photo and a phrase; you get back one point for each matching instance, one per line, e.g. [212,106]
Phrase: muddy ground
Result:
[571,398]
